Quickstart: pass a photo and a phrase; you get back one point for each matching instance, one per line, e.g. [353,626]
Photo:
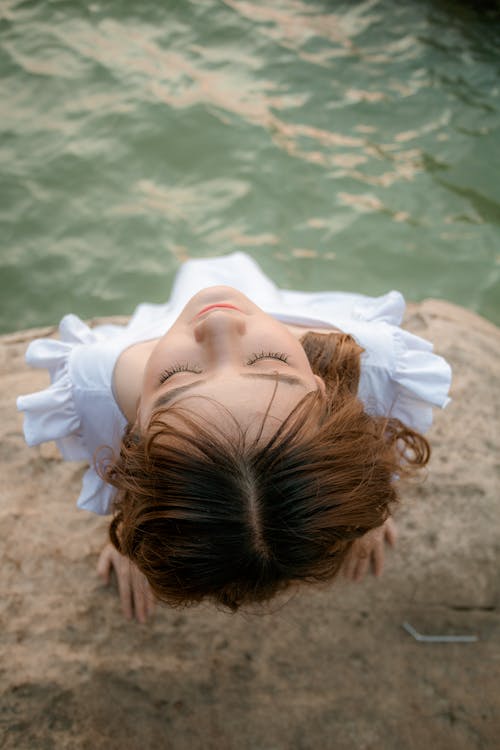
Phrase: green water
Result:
[344,145]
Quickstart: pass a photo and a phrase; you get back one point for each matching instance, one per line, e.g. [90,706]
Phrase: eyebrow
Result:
[167,398]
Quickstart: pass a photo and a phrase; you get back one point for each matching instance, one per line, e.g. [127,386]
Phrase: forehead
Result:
[240,399]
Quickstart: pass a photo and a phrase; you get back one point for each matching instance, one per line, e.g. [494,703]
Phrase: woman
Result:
[257,435]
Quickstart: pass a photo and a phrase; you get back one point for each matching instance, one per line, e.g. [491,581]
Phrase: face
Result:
[231,354]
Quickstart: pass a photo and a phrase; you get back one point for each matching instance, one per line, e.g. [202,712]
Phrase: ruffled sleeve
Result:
[51,414]
[421,380]
[401,376]
[77,410]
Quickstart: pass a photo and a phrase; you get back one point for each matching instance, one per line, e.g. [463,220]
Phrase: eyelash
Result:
[267,355]
[178,367]
[186,367]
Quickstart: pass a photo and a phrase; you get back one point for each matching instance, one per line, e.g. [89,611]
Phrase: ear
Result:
[321,384]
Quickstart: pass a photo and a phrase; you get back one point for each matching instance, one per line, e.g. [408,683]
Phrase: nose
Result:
[221,333]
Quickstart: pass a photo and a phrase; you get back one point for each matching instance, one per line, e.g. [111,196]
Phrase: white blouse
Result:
[400,375]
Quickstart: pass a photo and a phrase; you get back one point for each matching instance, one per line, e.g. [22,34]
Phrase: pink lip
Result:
[218,304]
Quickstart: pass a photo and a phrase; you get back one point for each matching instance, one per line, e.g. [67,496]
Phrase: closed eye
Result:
[187,367]
[267,355]
[178,367]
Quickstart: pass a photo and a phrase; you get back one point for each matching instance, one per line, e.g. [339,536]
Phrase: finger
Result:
[124,588]
[150,599]
[391,534]
[140,606]
[139,596]
[345,566]
[103,565]
[378,560]
[349,565]
[362,567]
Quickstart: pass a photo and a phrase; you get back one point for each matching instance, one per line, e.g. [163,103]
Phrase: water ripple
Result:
[346,145]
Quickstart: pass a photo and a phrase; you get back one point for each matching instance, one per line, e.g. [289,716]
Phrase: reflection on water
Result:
[350,149]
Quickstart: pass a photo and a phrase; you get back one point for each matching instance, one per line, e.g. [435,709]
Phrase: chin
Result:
[218,293]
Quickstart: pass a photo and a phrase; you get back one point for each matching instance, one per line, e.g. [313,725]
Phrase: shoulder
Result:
[401,376]
[77,410]
[128,375]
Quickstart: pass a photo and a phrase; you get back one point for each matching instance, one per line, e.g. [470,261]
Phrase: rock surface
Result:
[332,668]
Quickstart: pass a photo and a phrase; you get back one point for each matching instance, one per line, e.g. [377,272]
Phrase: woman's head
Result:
[236,507]
[230,356]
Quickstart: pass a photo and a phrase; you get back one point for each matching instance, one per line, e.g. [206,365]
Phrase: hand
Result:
[369,548]
[135,591]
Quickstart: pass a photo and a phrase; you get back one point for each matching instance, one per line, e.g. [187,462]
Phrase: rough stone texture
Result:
[332,668]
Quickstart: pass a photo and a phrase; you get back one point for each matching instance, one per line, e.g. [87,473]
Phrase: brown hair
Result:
[205,516]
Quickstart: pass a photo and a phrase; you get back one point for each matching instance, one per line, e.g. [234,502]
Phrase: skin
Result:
[369,551]
[219,345]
